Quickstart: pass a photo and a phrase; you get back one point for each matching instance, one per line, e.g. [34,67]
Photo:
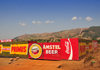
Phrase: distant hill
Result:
[92,32]
[89,33]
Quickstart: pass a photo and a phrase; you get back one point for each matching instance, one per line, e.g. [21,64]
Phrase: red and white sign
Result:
[9,40]
[70,49]
[52,51]
[66,49]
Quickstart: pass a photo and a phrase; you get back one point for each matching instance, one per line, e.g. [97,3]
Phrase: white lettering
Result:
[51,51]
[67,47]
[51,47]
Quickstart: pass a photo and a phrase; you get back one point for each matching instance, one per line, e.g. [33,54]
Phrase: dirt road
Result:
[30,64]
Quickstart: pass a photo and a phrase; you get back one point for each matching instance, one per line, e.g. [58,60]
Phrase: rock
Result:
[17,58]
[59,66]
[10,62]
[11,59]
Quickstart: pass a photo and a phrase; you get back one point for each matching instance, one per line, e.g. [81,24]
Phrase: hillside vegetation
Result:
[92,32]
[88,33]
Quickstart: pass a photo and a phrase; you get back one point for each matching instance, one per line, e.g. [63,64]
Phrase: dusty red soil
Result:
[29,64]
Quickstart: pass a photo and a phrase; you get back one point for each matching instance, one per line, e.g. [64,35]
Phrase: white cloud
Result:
[49,21]
[40,22]
[89,18]
[74,18]
[36,22]
[33,22]
[22,24]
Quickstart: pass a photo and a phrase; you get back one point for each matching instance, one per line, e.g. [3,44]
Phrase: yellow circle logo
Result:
[35,51]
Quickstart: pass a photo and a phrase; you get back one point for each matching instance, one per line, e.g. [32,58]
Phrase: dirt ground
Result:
[30,64]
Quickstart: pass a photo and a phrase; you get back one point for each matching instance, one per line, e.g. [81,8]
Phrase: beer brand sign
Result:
[52,51]
[35,51]
[66,49]
[45,51]
[21,49]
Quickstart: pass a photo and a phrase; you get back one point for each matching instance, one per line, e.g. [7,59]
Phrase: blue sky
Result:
[18,17]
